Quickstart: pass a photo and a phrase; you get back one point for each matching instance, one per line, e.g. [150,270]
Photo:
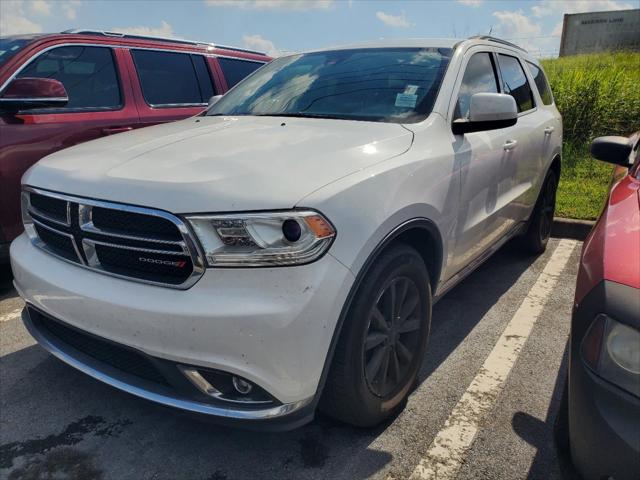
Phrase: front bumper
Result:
[272,327]
[604,420]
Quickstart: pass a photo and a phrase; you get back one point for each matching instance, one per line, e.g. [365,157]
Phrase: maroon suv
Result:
[57,90]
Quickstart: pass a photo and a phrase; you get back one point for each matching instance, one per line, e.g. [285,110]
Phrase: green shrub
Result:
[597,94]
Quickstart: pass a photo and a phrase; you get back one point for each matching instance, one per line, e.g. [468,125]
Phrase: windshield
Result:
[375,84]
[9,46]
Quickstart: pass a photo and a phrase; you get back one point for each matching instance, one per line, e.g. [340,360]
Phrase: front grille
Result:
[122,358]
[57,242]
[136,243]
[135,223]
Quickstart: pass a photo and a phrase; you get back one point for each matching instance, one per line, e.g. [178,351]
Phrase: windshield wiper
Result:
[303,115]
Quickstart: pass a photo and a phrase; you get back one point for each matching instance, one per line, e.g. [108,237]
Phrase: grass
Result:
[583,185]
[597,94]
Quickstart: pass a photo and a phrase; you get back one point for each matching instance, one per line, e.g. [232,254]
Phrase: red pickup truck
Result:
[57,90]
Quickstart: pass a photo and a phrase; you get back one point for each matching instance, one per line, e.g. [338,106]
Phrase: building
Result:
[600,31]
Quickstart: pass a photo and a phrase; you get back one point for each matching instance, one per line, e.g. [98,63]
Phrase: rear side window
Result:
[515,83]
[172,79]
[236,70]
[479,77]
[541,82]
[87,73]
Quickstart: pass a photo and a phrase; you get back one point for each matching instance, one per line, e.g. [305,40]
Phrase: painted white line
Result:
[451,445]
[12,315]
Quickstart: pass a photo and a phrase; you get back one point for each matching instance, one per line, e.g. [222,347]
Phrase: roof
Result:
[399,43]
[422,43]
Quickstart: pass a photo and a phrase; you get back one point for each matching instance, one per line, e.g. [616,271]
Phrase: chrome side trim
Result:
[29,99]
[188,244]
[92,368]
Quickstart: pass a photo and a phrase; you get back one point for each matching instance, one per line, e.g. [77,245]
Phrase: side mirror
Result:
[24,93]
[213,100]
[616,150]
[487,111]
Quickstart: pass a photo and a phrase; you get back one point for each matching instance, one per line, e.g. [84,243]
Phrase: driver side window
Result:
[479,77]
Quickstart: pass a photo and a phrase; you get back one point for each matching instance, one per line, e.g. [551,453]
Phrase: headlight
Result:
[263,239]
[612,350]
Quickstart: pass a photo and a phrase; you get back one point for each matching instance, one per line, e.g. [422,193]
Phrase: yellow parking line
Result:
[451,445]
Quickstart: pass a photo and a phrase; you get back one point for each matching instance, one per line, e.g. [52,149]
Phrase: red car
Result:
[604,362]
[57,90]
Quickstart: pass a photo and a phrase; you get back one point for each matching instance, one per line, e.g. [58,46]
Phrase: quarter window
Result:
[541,82]
[515,83]
[169,78]
[236,70]
[479,77]
[87,73]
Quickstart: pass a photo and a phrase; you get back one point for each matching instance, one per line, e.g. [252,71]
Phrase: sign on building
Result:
[600,31]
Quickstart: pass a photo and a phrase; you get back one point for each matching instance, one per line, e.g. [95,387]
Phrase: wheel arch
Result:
[421,234]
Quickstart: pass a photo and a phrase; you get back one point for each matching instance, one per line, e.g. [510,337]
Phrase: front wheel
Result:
[536,237]
[383,341]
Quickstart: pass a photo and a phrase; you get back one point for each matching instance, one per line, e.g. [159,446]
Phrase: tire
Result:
[535,239]
[370,344]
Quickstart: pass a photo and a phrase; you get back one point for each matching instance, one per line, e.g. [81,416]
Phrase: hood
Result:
[220,164]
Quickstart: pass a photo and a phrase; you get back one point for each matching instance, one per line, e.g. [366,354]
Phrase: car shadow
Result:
[107,429]
[6,281]
[549,436]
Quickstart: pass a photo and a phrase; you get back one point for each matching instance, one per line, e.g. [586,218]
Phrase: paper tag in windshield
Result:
[406,100]
[411,89]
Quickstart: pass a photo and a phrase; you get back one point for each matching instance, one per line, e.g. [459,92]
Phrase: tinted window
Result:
[168,78]
[87,73]
[236,70]
[371,84]
[514,82]
[204,78]
[541,82]
[479,77]
[9,46]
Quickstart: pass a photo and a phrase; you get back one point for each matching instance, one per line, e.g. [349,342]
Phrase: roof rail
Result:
[496,40]
[162,39]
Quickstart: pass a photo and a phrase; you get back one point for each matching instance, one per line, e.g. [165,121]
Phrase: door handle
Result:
[548,130]
[510,145]
[114,130]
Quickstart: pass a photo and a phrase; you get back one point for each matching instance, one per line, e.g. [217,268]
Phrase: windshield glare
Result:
[375,84]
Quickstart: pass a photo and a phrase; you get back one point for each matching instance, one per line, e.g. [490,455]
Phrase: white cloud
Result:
[524,31]
[516,24]
[69,8]
[256,42]
[471,3]
[164,30]
[14,20]
[273,4]
[552,7]
[396,21]
[40,7]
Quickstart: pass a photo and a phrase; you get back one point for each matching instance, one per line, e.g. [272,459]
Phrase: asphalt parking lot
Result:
[484,408]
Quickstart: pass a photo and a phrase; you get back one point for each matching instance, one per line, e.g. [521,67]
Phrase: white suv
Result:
[283,250]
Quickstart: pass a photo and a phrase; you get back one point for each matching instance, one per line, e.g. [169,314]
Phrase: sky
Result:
[280,26]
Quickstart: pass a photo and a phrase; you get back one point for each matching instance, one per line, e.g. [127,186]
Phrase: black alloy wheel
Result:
[535,239]
[392,339]
[383,341]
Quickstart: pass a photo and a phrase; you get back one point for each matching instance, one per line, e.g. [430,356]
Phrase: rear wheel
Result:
[383,341]
[535,239]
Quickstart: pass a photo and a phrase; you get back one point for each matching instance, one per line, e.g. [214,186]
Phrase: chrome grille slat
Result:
[134,249]
[144,258]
